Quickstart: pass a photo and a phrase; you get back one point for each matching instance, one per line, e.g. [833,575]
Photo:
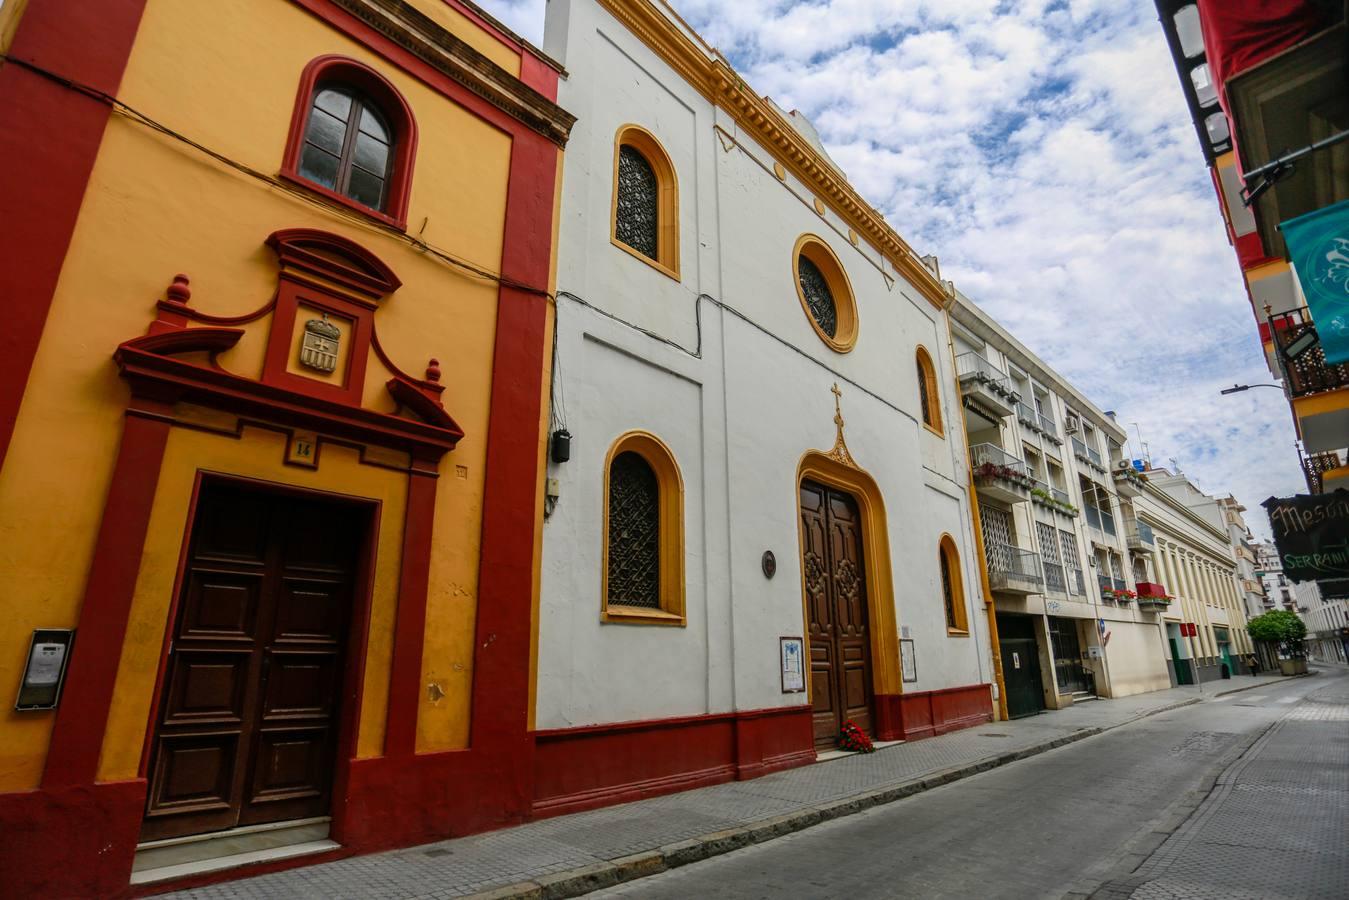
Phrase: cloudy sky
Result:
[1044,152]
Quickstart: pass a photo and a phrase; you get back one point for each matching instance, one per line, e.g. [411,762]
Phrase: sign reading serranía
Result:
[1312,534]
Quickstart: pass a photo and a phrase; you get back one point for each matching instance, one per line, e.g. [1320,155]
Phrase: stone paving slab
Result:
[570,855]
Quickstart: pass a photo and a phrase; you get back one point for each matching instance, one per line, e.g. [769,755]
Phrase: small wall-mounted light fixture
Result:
[561,445]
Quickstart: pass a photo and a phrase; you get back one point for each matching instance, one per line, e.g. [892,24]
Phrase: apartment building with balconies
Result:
[1193,565]
[1051,479]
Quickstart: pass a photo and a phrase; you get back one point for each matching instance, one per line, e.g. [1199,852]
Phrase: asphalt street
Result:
[1243,796]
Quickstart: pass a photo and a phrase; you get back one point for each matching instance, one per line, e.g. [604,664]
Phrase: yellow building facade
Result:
[271,424]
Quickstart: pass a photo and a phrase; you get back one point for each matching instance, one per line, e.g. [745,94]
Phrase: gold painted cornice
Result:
[714,78]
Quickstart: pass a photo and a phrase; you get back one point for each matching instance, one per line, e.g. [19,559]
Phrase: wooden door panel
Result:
[300,684]
[207,687]
[194,774]
[310,610]
[233,525]
[220,605]
[291,773]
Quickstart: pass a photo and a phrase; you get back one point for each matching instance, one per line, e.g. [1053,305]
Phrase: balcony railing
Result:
[1060,496]
[1093,516]
[1047,426]
[1089,454]
[1107,590]
[1027,416]
[1316,465]
[972,365]
[1140,535]
[1308,373]
[1014,570]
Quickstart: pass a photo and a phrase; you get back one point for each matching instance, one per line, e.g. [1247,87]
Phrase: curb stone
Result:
[583,880]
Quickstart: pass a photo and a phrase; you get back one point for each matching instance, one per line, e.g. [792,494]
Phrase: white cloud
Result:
[1044,151]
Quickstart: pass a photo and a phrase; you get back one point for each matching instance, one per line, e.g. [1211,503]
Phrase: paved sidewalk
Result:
[569,855]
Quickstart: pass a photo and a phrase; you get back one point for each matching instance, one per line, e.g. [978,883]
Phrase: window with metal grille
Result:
[819,299]
[637,212]
[348,146]
[948,594]
[634,532]
[1049,550]
[1071,563]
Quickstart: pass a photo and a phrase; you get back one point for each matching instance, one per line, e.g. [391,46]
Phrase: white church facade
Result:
[759,525]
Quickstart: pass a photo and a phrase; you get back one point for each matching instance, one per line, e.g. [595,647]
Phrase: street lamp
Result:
[1238,388]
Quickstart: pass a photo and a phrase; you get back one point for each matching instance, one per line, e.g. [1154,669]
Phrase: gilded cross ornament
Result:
[840,452]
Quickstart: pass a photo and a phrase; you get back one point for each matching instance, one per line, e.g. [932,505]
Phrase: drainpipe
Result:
[994,649]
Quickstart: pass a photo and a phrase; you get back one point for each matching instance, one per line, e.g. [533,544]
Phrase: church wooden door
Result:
[248,720]
[836,600]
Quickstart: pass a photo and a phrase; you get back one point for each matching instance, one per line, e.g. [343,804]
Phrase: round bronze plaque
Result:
[770,564]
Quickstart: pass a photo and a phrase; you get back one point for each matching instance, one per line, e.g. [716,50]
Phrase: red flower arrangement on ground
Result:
[854,739]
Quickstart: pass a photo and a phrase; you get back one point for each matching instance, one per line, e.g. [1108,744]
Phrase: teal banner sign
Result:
[1318,245]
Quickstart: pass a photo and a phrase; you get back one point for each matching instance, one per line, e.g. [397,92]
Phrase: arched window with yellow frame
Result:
[644,220]
[929,396]
[643,550]
[952,586]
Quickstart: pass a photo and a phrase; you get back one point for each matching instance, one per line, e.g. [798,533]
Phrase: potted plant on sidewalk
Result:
[853,739]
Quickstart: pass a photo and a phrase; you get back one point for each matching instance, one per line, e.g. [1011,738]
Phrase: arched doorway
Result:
[847,595]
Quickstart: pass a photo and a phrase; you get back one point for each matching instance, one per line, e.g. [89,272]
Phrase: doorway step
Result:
[196,854]
[1083,697]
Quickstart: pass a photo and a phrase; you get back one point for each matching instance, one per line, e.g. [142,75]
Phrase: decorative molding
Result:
[714,78]
[840,452]
[438,48]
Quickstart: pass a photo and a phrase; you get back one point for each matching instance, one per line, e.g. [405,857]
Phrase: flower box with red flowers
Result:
[853,739]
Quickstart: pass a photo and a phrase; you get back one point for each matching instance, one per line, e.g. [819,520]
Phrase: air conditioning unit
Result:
[1123,465]
[1071,425]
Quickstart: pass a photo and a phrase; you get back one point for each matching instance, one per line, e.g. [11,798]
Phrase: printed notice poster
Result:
[793,664]
[908,660]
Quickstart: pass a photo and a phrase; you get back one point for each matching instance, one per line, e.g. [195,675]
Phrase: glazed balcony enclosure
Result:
[999,475]
[1139,536]
[986,390]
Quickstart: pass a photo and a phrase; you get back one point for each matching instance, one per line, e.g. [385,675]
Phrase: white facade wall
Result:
[738,402]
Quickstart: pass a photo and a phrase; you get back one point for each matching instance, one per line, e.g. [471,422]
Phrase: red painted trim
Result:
[921,714]
[75,841]
[48,146]
[1251,251]
[598,765]
[400,737]
[539,75]
[77,735]
[346,71]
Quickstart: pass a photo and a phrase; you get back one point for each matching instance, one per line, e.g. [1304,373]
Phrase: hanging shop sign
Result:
[1311,534]
[1318,246]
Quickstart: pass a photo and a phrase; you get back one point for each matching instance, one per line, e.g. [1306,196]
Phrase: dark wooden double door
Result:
[836,601]
[248,719]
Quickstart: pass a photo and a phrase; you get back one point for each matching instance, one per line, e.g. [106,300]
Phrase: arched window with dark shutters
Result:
[634,532]
[353,139]
[348,146]
[646,200]
[637,222]
[952,587]
[643,567]
[929,400]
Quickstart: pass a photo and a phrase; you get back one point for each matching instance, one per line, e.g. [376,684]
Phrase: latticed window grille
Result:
[998,540]
[636,220]
[948,594]
[1049,550]
[819,298]
[634,532]
[923,397]
[1071,562]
